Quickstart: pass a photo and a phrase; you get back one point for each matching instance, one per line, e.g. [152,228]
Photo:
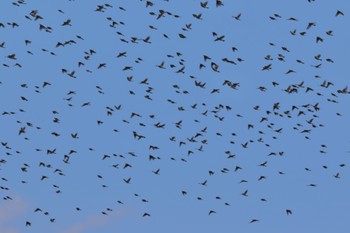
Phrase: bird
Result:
[96,100]
[237,17]
[339,13]
[146,215]
[245,193]
[127,180]
[211,212]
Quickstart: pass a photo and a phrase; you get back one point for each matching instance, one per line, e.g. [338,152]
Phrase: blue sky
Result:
[299,145]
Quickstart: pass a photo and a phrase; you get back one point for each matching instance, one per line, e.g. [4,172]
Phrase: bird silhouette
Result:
[148,104]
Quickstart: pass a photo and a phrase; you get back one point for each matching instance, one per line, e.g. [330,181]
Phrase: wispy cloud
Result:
[10,211]
[9,230]
[93,221]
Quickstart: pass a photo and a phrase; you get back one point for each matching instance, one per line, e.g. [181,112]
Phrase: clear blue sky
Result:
[303,140]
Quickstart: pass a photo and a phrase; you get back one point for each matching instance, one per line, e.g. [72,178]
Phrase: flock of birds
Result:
[125,100]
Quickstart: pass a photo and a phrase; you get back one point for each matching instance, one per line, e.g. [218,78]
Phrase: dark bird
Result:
[211,212]
[127,180]
[237,17]
[146,215]
[339,13]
